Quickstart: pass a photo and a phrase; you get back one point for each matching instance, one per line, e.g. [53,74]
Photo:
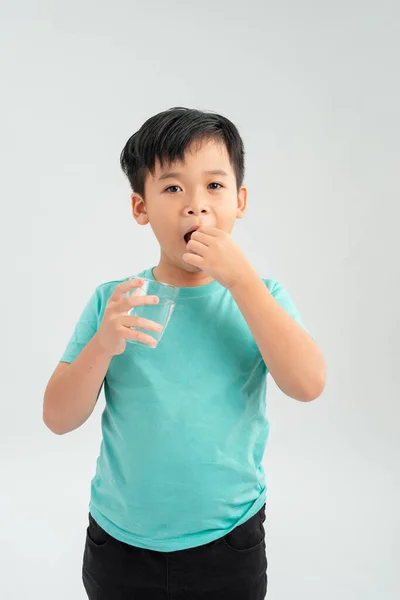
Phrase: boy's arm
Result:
[72,391]
[291,355]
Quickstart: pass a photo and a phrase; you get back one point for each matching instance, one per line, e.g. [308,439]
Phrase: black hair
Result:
[167,135]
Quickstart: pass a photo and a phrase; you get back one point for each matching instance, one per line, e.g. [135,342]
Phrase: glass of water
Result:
[159,313]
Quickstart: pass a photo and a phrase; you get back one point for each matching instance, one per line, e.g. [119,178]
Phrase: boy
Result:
[177,504]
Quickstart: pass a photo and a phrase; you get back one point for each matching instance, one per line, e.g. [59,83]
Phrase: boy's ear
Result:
[139,209]
[241,203]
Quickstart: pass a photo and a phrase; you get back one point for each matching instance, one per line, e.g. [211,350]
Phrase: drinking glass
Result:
[159,313]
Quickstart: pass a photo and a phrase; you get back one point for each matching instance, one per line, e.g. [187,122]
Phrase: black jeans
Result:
[233,567]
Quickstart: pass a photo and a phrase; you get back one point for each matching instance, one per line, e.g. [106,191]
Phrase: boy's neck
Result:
[173,275]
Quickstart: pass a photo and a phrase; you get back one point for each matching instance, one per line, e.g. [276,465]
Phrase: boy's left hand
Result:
[214,251]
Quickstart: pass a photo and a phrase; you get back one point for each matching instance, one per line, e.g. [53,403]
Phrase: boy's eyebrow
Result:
[176,174]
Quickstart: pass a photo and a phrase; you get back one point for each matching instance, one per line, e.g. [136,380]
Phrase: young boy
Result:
[177,503]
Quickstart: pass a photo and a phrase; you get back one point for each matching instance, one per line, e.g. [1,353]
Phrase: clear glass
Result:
[159,313]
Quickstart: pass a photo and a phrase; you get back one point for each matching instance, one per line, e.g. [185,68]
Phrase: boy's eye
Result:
[172,187]
[215,183]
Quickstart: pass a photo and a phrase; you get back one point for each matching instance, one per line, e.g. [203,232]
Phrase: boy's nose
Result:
[196,208]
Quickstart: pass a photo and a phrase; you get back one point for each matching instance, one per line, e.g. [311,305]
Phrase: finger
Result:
[139,336]
[141,322]
[127,304]
[202,238]
[213,231]
[142,300]
[194,259]
[124,287]
[197,247]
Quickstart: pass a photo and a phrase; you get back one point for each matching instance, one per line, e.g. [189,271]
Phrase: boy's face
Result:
[186,195]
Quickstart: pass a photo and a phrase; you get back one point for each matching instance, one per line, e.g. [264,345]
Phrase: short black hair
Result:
[167,135]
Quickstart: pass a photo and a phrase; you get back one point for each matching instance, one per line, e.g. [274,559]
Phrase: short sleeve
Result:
[281,295]
[85,328]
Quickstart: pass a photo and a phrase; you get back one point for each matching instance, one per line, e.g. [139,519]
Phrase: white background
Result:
[314,90]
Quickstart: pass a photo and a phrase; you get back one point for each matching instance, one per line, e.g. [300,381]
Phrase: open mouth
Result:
[189,234]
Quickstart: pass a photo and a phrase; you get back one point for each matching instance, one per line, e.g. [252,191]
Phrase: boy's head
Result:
[186,169]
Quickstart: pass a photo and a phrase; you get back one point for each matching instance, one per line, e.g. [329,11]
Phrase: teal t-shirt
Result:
[184,428]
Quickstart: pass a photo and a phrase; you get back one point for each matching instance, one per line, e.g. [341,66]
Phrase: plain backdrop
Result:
[314,90]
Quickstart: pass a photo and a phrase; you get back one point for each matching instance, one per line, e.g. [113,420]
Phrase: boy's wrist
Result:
[245,283]
[99,349]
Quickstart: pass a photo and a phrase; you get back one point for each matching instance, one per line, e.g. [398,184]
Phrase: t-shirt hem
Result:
[171,545]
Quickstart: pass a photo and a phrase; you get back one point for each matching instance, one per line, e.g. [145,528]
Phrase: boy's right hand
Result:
[115,329]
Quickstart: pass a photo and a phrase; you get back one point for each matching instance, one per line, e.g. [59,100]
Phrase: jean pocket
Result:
[248,536]
[96,534]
